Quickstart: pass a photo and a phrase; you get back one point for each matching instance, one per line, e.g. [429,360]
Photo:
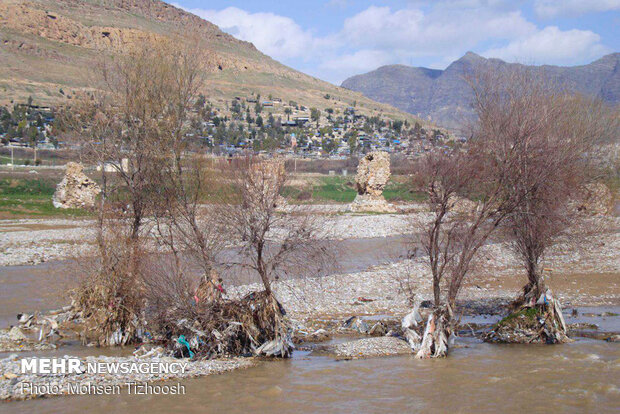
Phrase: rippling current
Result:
[583,376]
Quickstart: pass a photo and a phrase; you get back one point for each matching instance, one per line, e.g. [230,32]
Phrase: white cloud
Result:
[411,32]
[362,59]
[553,8]
[436,33]
[277,36]
[553,46]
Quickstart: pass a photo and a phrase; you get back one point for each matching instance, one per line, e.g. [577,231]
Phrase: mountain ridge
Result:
[444,97]
[48,49]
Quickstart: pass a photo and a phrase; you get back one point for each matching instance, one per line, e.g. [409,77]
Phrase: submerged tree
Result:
[272,245]
[133,128]
[552,133]
[456,231]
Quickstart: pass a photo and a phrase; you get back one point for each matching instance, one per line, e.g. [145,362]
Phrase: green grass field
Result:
[341,189]
[30,198]
[27,197]
[17,161]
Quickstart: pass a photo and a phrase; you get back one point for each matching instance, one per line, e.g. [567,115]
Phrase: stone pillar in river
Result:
[373,173]
[75,190]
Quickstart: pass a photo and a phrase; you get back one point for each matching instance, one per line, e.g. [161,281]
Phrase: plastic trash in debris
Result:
[24,318]
[279,347]
[545,298]
[145,352]
[356,324]
[412,318]
[183,341]
[378,329]
[410,324]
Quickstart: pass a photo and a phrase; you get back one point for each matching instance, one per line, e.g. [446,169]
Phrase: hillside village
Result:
[28,125]
[254,124]
[252,104]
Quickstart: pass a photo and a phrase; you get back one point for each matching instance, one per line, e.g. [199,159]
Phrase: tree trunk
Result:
[261,269]
[436,291]
[266,283]
[534,288]
[136,223]
[438,334]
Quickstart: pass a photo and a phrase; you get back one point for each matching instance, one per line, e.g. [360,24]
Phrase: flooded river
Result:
[44,286]
[583,376]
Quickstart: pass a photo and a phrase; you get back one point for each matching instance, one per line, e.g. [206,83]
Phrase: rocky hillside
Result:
[48,49]
[444,96]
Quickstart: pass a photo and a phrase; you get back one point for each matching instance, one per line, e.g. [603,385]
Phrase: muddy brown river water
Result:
[44,286]
[583,376]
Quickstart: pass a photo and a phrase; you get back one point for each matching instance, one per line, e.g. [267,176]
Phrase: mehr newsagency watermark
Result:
[72,376]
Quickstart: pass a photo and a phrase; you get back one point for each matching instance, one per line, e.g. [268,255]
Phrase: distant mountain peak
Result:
[471,55]
[445,98]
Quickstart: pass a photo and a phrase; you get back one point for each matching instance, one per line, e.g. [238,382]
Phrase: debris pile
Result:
[539,322]
[38,332]
[75,190]
[432,340]
[359,325]
[110,305]
[252,325]
[373,174]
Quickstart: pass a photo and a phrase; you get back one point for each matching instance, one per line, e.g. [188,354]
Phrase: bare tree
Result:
[276,244]
[552,134]
[272,244]
[188,229]
[452,238]
[135,126]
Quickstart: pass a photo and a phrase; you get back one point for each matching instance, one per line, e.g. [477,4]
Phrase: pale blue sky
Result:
[335,39]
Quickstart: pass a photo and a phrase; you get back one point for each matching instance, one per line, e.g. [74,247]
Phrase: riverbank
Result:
[34,241]
[595,242]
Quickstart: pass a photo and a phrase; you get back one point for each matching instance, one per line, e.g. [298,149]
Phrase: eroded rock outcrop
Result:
[265,179]
[373,174]
[75,190]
